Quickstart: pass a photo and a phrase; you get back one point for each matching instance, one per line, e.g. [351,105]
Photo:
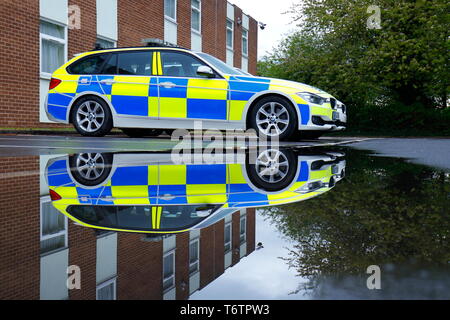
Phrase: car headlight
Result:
[312,98]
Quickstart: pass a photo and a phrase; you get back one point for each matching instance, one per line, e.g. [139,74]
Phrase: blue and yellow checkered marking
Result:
[214,99]
[170,184]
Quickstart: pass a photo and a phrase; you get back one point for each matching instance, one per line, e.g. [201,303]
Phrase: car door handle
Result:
[108,199]
[107,82]
[168,85]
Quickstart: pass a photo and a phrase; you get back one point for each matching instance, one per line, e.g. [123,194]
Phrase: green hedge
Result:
[398,119]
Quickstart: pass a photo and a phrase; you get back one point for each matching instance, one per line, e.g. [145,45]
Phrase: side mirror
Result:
[205,71]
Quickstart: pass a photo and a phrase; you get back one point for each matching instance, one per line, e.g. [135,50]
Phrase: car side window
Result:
[89,65]
[110,67]
[179,64]
[135,63]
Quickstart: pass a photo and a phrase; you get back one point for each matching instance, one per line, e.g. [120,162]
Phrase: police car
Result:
[148,193]
[144,90]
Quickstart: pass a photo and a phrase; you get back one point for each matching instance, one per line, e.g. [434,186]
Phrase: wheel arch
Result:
[257,97]
[86,94]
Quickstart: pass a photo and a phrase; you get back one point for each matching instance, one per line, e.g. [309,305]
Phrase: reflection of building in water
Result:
[37,244]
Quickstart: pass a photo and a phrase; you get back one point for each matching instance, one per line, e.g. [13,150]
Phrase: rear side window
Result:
[110,66]
[179,64]
[135,63]
[89,65]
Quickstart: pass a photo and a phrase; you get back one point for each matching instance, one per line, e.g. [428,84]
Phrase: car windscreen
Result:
[218,64]
[142,218]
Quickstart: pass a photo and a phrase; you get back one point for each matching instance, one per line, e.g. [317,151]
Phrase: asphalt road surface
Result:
[16,145]
[430,152]
[427,151]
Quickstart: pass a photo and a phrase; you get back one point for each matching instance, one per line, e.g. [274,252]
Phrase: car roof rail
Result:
[149,42]
[155,42]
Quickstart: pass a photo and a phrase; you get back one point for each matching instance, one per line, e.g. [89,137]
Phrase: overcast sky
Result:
[271,13]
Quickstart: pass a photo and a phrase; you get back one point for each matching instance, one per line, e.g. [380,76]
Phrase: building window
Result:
[227,237]
[105,43]
[53,39]
[245,42]
[196,9]
[243,229]
[194,253]
[168,271]
[230,30]
[107,290]
[170,9]
[53,227]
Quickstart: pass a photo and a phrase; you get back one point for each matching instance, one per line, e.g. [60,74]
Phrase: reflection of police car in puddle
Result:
[149,193]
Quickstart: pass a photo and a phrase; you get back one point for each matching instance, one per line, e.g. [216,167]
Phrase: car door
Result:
[134,91]
[183,94]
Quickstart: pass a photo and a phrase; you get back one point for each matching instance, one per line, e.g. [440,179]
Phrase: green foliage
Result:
[401,67]
[384,212]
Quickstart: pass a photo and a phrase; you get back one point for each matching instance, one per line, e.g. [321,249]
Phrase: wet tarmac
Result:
[119,218]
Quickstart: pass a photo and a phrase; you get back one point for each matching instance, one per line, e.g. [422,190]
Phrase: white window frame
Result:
[232,35]
[43,36]
[197,240]
[172,252]
[105,284]
[230,243]
[174,20]
[244,31]
[99,37]
[243,218]
[199,10]
[46,199]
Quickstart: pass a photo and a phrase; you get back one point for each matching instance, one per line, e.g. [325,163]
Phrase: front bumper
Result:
[335,121]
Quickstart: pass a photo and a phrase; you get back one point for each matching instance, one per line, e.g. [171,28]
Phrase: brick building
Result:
[40,35]
[38,244]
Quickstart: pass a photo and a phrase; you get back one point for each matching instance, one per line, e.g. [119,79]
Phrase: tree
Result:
[385,211]
[404,62]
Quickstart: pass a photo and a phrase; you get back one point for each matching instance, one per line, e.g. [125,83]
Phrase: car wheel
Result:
[274,117]
[138,133]
[273,169]
[91,117]
[90,169]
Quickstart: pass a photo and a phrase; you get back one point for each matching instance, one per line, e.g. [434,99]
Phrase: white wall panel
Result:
[56,10]
[196,41]
[230,11]
[170,31]
[54,276]
[245,22]
[194,282]
[228,259]
[169,243]
[106,257]
[43,90]
[107,19]
[245,64]
[243,250]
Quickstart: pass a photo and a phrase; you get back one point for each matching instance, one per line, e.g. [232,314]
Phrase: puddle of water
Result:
[300,224]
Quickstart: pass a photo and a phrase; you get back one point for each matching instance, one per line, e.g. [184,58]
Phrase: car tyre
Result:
[282,176]
[273,116]
[90,169]
[92,117]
